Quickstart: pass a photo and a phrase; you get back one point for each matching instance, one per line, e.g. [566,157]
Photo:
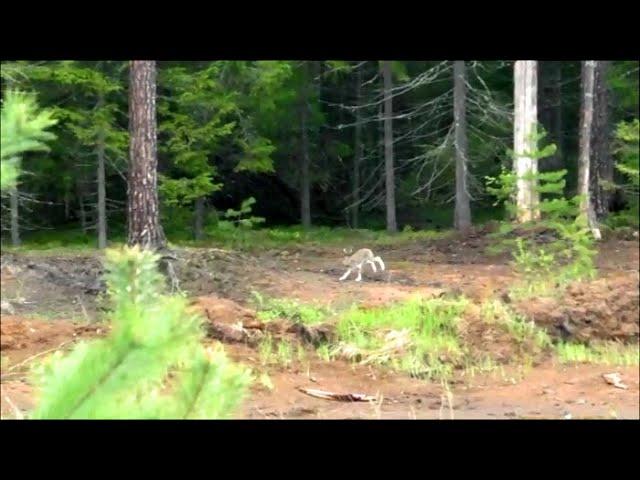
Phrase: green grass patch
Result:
[288,309]
[417,336]
[280,352]
[525,332]
[605,353]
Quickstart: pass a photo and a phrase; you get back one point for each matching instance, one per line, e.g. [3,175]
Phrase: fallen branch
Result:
[33,357]
[340,397]
[15,409]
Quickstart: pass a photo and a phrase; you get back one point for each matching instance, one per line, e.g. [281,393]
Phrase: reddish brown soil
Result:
[607,307]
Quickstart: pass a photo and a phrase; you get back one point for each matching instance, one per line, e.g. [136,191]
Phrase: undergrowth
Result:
[152,365]
[288,309]
[603,353]
[417,336]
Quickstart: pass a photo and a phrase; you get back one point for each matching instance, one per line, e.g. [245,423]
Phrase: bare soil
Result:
[54,301]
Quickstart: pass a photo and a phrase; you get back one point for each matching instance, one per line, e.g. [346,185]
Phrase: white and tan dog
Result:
[358,260]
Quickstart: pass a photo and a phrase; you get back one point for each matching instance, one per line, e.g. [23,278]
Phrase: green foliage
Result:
[606,353]
[289,309]
[568,251]
[628,151]
[242,217]
[24,129]
[418,336]
[153,364]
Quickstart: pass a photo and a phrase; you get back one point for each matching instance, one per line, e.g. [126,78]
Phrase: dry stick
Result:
[33,357]
[15,409]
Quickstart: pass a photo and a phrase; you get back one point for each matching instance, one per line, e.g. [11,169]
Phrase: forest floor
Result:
[50,301]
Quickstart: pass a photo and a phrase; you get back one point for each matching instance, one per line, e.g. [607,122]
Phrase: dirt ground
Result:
[50,301]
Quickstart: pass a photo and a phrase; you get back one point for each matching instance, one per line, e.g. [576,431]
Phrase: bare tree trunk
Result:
[102,192]
[584,158]
[15,216]
[305,181]
[83,211]
[525,121]
[143,216]
[462,212]
[392,225]
[66,206]
[198,219]
[357,157]
[601,168]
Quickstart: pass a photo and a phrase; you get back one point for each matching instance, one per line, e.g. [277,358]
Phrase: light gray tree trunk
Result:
[462,212]
[390,196]
[584,157]
[525,127]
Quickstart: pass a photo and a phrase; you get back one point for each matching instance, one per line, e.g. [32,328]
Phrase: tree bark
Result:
[102,195]
[305,182]
[584,157]
[15,216]
[601,168]
[390,196]
[83,211]
[525,121]
[462,212]
[357,157]
[198,219]
[143,216]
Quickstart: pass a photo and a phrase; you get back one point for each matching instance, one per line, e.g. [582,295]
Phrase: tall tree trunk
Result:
[305,181]
[550,110]
[392,225]
[584,158]
[601,159]
[83,210]
[15,216]
[102,192]
[357,157]
[66,205]
[198,219]
[525,121]
[143,217]
[462,213]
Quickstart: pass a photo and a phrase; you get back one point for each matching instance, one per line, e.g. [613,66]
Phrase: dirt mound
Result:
[21,338]
[83,273]
[605,309]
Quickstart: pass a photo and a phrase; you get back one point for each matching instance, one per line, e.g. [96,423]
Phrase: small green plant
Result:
[525,332]
[23,129]
[627,151]
[153,364]
[324,352]
[279,353]
[288,309]
[266,382]
[568,252]
[604,353]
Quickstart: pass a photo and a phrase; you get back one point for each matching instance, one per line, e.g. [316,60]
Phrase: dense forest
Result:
[360,144]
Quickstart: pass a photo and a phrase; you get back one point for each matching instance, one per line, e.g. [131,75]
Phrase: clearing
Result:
[502,368]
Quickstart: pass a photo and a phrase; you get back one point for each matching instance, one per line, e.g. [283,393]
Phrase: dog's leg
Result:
[346,274]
